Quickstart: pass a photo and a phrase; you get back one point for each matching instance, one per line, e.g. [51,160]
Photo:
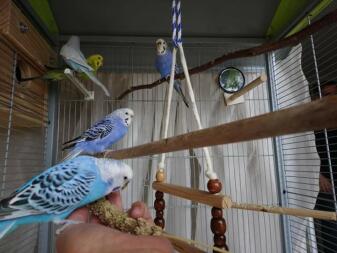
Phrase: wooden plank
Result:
[29,43]
[199,196]
[314,115]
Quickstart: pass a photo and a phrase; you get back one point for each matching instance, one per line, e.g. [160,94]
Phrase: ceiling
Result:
[201,18]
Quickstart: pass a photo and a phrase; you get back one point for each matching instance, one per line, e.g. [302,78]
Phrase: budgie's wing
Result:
[93,78]
[71,52]
[98,131]
[57,190]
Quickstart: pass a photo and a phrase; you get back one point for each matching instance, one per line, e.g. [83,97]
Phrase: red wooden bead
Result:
[218,226]
[159,222]
[159,195]
[219,241]
[214,186]
[216,212]
[160,214]
[159,204]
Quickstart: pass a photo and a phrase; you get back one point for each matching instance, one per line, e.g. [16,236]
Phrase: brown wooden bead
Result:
[219,241]
[159,204]
[214,186]
[159,195]
[216,212]
[159,222]
[218,226]
[160,214]
[160,176]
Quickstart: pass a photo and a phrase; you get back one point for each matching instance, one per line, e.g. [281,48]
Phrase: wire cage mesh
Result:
[23,134]
[283,171]
[247,169]
[301,74]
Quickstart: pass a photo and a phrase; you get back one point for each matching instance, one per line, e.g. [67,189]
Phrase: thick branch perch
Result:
[222,201]
[254,51]
[314,115]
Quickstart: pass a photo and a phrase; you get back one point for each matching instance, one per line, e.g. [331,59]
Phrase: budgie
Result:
[58,191]
[95,61]
[163,65]
[73,56]
[101,135]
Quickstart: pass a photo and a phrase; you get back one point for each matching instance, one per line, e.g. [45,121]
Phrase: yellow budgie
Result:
[95,61]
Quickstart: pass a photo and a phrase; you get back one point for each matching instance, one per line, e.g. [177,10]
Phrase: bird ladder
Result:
[218,224]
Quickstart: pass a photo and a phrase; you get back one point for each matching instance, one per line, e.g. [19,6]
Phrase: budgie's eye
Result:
[125,178]
[126,113]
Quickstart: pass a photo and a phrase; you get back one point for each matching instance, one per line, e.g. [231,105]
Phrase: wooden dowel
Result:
[204,197]
[323,215]
[261,79]
[223,201]
[314,115]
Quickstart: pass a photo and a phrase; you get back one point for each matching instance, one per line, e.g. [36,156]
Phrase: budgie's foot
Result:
[65,224]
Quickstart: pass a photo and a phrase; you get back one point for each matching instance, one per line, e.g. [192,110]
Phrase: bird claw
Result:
[65,224]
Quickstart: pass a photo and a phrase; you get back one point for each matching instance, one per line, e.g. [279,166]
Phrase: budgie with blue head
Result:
[102,135]
[58,191]
[163,65]
[75,59]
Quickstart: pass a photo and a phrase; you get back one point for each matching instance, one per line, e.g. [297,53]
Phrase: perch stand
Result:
[88,95]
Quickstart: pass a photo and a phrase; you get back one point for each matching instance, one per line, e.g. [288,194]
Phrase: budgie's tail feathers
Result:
[72,154]
[70,141]
[6,226]
[177,87]
[98,82]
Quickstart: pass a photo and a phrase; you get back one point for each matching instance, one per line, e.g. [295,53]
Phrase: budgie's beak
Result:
[125,185]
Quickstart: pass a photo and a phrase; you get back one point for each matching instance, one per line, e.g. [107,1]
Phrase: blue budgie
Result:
[73,56]
[58,191]
[101,135]
[163,65]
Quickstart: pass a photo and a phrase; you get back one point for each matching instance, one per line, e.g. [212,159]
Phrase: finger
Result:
[140,210]
[116,199]
[80,214]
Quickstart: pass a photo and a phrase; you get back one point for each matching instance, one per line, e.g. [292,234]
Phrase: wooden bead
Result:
[214,186]
[219,241]
[159,195]
[159,204]
[216,212]
[160,176]
[160,214]
[218,226]
[159,222]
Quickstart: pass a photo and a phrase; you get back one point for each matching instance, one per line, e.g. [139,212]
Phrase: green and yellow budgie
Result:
[95,61]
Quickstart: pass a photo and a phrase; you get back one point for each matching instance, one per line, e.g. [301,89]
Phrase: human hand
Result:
[324,184]
[93,237]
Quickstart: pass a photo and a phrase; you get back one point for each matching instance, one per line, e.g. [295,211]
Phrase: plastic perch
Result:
[88,95]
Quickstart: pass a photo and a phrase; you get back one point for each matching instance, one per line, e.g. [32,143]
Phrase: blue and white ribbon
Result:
[176,23]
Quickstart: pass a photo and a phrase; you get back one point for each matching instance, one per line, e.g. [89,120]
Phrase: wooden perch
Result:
[292,40]
[204,197]
[222,201]
[323,215]
[260,80]
[310,116]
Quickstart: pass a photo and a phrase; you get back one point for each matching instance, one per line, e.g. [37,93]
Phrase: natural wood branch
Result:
[323,215]
[204,197]
[223,201]
[254,51]
[314,115]
[261,79]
